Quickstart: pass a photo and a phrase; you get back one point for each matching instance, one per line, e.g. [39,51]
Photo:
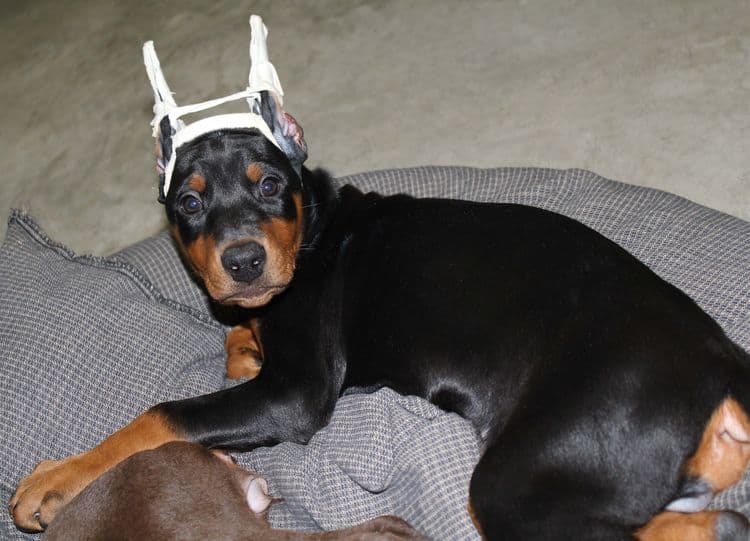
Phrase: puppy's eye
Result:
[190,204]
[269,187]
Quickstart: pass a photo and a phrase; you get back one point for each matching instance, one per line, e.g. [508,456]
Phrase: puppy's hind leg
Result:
[518,494]
[719,461]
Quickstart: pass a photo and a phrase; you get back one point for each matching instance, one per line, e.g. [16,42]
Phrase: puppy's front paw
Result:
[242,362]
[244,357]
[51,485]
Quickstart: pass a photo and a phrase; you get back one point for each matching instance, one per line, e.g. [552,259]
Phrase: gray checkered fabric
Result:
[157,256]
[382,453]
[87,343]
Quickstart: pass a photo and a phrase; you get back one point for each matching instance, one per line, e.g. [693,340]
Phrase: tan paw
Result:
[51,485]
[242,363]
[244,352]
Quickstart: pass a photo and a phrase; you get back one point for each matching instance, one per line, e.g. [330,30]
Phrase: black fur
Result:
[589,378]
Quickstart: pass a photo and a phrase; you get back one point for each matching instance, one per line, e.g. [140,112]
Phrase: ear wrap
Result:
[172,132]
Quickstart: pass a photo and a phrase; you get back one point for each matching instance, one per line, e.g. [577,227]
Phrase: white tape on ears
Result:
[262,76]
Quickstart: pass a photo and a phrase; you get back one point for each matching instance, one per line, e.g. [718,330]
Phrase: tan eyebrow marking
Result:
[254,172]
[197,183]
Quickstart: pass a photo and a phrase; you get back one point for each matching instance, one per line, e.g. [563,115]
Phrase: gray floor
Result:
[649,92]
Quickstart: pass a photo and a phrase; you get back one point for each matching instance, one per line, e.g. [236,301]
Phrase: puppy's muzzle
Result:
[244,262]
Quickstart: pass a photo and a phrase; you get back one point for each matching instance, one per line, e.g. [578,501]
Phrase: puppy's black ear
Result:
[163,153]
[286,131]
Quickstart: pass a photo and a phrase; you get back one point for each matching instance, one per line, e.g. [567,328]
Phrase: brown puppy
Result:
[184,491]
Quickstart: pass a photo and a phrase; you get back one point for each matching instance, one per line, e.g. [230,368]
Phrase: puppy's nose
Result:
[244,262]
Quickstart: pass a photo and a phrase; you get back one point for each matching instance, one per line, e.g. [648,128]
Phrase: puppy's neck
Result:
[320,200]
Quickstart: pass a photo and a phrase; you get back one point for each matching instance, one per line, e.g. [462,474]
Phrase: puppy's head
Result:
[235,206]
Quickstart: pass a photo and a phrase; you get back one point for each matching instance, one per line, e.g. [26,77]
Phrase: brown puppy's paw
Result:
[244,358]
[51,485]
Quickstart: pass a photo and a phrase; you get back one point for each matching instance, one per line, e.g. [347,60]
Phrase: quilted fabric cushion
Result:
[86,343]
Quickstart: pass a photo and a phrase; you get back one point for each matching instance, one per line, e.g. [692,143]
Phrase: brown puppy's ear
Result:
[163,153]
[286,131]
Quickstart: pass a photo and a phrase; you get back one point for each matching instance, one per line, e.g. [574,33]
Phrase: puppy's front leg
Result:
[263,411]
[53,483]
[244,351]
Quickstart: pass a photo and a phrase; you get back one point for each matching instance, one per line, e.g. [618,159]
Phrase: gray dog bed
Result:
[86,343]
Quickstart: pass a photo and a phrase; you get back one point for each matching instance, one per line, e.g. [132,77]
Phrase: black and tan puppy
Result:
[183,492]
[610,406]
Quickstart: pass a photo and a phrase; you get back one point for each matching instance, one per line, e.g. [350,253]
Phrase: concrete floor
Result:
[649,92]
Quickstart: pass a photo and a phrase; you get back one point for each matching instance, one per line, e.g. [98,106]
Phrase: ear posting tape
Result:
[262,77]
